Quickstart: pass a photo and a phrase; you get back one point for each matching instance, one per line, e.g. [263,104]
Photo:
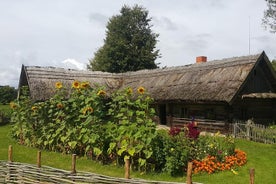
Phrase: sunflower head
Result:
[59,105]
[58,85]
[141,90]
[101,93]
[88,110]
[34,108]
[76,84]
[13,105]
[129,91]
[85,85]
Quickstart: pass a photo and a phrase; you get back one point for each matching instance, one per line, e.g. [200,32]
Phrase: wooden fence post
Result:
[10,153]
[189,173]
[73,167]
[252,175]
[127,168]
[38,159]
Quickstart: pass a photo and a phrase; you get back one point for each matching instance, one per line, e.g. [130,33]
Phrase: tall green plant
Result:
[131,126]
[70,124]
[21,116]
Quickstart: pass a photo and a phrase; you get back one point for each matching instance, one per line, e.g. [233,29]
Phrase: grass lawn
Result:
[261,157]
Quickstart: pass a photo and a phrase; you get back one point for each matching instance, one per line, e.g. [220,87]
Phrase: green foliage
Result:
[274,64]
[171,152]
[216,146]
[177,153]
[131,126]
[88,123]
[5,114]
[269,19]
[129,44]
[70,125]
[7,94]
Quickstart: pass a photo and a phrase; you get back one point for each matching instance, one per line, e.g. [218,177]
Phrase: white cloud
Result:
[72,63]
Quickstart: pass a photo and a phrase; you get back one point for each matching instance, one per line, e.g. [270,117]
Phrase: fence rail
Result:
[14,172]
[205,125]
[254,132]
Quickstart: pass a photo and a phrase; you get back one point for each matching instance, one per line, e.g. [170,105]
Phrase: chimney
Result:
[201,59]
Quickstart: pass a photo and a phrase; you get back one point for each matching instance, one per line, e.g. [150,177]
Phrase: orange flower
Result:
[58,85]
[76,85]
[210,164]
[141,90]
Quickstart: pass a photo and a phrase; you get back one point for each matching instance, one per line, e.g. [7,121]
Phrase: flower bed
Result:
[211,164]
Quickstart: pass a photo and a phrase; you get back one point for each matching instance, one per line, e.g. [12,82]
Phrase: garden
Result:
[110,128]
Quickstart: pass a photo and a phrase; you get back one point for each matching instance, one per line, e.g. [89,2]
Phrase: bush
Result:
[5,114]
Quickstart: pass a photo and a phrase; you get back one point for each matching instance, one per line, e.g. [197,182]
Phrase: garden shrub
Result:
[4,118]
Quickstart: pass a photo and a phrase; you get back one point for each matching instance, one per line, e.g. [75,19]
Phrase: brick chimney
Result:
[201,59]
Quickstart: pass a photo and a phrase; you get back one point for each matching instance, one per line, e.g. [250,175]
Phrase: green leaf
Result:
[131,151]
[148,153]
[126,157]
[72,144]
[121,150]
[112,145]
[141,161]
[63,138]
[97,151]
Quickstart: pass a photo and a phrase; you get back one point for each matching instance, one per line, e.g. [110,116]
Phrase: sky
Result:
[67,33]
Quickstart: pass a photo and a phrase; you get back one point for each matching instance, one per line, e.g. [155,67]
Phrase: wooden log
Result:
[38,159]
[10,153]
[189,173]
[127,168]
[252,175]
[73,167]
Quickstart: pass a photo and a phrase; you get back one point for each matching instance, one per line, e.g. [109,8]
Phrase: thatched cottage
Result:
[222,90]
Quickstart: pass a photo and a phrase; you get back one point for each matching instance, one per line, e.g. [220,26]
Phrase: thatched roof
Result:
[213,81]
[41,80]
[260,95]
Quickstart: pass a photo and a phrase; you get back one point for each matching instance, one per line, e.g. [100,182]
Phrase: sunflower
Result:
[129,91]
[141,90]
[58,85]
[76,85]
[13,105]
[88,110]
[85,85]
[34,108]
[59,105]
[101,93]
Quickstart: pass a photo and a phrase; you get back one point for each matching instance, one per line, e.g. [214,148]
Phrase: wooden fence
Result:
[254,132]
[204,125]
[14,172]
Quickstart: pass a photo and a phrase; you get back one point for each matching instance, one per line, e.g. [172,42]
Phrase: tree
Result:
[7,94]
[269,19]
[129,44]
[274,64]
